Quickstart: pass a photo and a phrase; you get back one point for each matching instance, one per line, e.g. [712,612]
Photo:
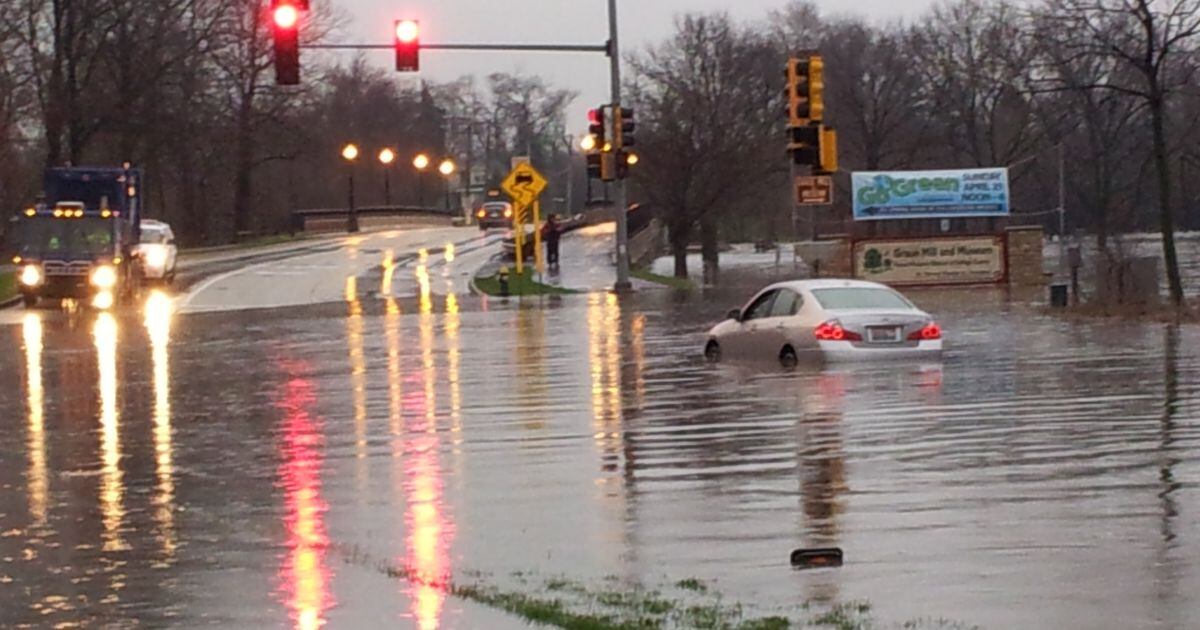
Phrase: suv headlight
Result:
[104,277]
[156,256]
[31,275]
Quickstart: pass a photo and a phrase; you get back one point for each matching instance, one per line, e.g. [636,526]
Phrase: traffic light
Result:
[596,127]
[805,90]
[829,152]
[601,157]
[623,127]
[625,160]
[805,145]
[285,32]
[595,166]
[408,45]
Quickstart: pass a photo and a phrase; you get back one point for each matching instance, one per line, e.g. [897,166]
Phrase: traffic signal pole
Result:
[619,193]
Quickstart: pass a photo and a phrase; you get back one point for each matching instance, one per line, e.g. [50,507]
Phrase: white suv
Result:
[157,251]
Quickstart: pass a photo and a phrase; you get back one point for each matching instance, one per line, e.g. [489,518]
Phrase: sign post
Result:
[524,185]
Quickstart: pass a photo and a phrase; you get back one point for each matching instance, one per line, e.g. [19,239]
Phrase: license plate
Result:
[883,334]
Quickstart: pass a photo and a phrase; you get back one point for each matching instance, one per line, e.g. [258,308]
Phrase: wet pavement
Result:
[262,468]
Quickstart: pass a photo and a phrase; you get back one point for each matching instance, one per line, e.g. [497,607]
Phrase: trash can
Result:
[1059,295]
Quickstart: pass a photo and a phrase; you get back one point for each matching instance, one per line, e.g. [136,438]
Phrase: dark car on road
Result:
[494,214]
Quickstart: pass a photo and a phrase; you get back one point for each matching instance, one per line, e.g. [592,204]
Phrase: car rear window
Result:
[860,298]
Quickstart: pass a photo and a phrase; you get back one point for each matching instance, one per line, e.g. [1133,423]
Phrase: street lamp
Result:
[350,154]
[447,168]
[421,162]
[386,157]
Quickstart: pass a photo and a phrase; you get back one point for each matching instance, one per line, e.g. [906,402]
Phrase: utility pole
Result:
[619,192]
[1062,207]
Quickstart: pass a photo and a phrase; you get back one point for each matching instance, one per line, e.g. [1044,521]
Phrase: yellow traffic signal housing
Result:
[805,90]
[793,93]
[829,150]
[816,88]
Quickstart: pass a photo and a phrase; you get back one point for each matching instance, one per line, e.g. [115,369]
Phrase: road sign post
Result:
[524,186]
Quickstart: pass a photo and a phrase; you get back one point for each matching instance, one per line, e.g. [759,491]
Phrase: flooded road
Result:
[260,468]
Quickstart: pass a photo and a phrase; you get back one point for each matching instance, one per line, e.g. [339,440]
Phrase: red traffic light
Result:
[286,16]
[408,45]
[407,31]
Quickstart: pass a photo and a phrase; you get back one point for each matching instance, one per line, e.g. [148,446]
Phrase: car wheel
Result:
[787,357]
[712,352]
[29,301]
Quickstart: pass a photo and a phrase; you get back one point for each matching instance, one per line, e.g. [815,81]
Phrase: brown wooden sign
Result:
[814,190]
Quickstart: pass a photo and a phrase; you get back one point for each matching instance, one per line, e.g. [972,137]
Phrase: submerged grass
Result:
[617,604]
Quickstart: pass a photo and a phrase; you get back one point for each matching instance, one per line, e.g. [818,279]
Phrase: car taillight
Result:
[930,332]
[833,331]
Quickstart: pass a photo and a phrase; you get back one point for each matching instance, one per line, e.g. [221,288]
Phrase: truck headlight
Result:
[156,256]
[31,275]
[104,277]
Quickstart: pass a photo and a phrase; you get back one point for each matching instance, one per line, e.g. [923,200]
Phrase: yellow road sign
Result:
[524,184]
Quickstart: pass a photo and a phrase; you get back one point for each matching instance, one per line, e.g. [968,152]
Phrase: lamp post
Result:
[350,154]
[386,157]
[447,168]
[421,162]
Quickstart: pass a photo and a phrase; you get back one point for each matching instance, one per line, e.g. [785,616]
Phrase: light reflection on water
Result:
[1042,461]
[38,479]
[112,489]
[305,571]
[158,326]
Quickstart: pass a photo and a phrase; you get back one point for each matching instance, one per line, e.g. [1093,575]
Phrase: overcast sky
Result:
[556,21]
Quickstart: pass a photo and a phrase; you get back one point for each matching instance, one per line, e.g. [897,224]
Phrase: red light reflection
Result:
[429,529]
[304,574]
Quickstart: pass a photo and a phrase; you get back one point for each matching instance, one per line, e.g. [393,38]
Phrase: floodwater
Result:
[257,469]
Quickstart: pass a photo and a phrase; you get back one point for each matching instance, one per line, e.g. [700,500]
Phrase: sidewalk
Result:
[587,261]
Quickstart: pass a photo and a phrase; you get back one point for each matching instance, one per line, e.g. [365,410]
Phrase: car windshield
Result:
[860,298]
[44,236]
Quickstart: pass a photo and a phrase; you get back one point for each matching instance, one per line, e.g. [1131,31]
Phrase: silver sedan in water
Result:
[825,319]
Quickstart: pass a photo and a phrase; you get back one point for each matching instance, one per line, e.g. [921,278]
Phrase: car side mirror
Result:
[735,315]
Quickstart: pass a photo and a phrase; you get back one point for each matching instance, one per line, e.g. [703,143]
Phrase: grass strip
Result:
[518,285]
[8,285]
[683,284]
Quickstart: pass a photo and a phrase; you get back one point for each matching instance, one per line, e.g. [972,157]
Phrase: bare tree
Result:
[871,87]
[709,102]
[1155,40]
[975,61]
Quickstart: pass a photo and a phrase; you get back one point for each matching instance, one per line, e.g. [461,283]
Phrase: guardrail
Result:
[300,217]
